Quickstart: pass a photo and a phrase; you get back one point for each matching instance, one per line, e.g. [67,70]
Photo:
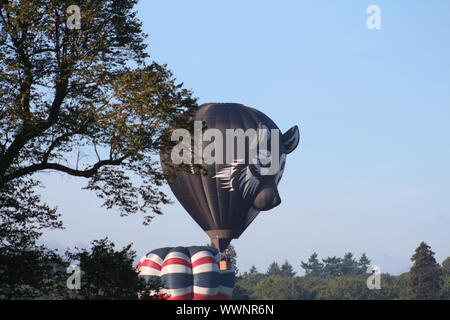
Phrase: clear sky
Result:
[372,171]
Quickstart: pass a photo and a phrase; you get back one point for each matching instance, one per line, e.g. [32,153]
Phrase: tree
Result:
[320,285]
[23,216]
[30,273]
[313,267]
[230,253]
[287,270]
[446,267]
[344,288]
[312,287]
[253,270]
[107,273]
[245,283]
[87,102]
[425,275]
[251,277]
[349,264]
[27,270]
[363,263]
[445,291]
[274,269]
[240,292]
[332,267]
[392,288]
[277,288]
[401,285]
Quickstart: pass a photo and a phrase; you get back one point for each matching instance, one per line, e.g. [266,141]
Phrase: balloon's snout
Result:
[267,199]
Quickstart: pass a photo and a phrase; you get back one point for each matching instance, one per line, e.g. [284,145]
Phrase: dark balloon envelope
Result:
[226,200]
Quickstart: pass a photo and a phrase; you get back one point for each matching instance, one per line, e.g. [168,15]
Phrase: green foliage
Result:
[240,292]
[401,285]
[445,290]
[252,277]
[332,267]
[446,267]
[313,267]
[27,270]
[255,285]
[274,269]
[34,272]
[230,253]
[23,216]
[349,265]
[246,282]
[277,288]
[363,263]
[425,279]
[88,102]
[333,278]
[287,270]
[344,288]
[107,273]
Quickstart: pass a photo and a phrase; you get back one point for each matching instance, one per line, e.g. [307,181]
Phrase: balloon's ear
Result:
[291,139]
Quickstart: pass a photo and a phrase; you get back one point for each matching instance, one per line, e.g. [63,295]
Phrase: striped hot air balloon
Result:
[188,273]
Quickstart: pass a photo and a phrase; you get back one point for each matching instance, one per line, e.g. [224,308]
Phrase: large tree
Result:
[313,267]
[425,276]
[274,269]
[287,270]
[107,273]
[86,102]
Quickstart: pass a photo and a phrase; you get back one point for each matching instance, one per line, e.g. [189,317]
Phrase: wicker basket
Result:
[225,265]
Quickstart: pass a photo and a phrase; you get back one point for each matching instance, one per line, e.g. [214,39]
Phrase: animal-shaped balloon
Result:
[244,154]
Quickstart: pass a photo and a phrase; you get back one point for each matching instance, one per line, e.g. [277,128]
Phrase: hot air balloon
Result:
[187,273]
[226,200]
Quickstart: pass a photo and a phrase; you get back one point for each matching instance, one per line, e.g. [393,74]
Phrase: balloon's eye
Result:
[267,131]
[264,133]
[264,158]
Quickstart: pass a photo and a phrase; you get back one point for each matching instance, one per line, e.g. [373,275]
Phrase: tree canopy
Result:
[425,279]
[87,102]
[331,267]
[342,278]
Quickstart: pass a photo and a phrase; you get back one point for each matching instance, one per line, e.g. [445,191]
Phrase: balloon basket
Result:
[225,265]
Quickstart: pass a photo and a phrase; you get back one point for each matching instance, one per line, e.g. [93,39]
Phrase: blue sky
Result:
[372,172]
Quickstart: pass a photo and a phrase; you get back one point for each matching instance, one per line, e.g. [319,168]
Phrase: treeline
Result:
[32,271]
[345,278]
[103,272]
